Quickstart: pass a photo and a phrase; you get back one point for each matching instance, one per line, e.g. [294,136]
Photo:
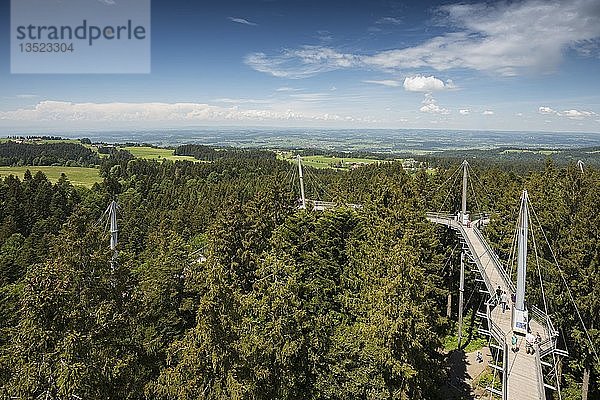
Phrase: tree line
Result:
[222,288]
[66,154]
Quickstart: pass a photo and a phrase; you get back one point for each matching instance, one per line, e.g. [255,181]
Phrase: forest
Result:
[223,289]
[67,154]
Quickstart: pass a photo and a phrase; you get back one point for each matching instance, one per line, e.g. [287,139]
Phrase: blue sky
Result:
[519,65]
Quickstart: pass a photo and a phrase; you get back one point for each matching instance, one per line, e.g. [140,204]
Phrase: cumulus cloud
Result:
[429,105]
[426,84]
[488,112]
[385,82]
[242,21]
[464,111]
[571,114]
[168,112]
[577,114]
[546,110]
[505,38]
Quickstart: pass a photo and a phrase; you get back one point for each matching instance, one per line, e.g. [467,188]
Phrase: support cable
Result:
[449,191]
[537,262]
[568,288]
[480,183]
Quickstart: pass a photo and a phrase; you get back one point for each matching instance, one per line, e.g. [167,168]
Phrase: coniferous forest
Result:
[223,289]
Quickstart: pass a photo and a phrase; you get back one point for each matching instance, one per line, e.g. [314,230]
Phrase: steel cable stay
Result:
[543,292]
[569,292]
[449,259]
[439,188]
[512,258]
[477,206]
[472,173]
[317,184]
[449,190]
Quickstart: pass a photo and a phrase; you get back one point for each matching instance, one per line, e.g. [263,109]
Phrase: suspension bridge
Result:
[317,205]
[521,375]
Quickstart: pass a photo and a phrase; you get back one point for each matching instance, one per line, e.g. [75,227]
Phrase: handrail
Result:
[438,215]
[498,335]
[540,374]
[485,276]
[544,320]
[496,259]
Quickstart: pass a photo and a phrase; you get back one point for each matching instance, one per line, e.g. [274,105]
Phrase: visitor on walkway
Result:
[529,340]
[479,357]
[503,301]
[498,293]
[514,342]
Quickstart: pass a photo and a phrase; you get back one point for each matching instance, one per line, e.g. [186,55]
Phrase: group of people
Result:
[503,298]
[530,342]
[530,339]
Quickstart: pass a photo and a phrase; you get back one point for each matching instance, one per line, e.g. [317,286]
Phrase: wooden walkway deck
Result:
[523,371]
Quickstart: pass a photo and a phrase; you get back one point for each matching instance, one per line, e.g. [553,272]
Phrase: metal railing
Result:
[548,345]
[498,335]
[496,259]
[540,374]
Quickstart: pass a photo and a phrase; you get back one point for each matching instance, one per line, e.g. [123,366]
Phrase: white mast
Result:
[114,229]
[464,218]
[519,316]
[111,213]
[303,206]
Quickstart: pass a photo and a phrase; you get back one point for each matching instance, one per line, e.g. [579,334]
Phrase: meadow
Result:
[78,176]
[153,153]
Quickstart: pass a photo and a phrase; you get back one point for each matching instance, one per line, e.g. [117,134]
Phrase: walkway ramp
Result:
[521,372]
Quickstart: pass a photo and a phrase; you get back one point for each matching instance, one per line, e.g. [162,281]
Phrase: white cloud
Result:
[288,89]
[426,84]
[546,110]
[577,114]
[27,96]
[241,101]
[301,63]
[464,111]
[166,112]
[430,106]
[242,21]
[488,112]
[505,38]
[389,20]
[108,2]
[571,114]
[385,82]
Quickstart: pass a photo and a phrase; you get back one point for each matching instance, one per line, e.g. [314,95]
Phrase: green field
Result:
[543,152]
[328,161]
[152,153]
[78,176]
